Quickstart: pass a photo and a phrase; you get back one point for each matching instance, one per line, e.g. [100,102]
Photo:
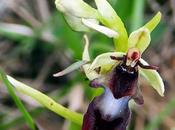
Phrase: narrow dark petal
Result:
[107,113]
[121,83]
[147,66]
[116,58]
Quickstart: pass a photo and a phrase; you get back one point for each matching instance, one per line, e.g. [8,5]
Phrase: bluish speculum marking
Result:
[107,113]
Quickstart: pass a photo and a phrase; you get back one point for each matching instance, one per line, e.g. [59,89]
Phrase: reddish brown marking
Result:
[98,70]
[135,56]
[147,66]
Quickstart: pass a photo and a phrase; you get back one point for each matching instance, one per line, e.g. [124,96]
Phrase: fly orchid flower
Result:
[117,72]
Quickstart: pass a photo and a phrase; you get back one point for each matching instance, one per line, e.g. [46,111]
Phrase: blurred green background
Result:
[36,42]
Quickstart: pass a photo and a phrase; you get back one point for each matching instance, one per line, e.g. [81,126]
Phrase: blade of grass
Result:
[20,32]
[46,101]
[15,31]
[124,8]
[19,120]
[137,14]
[156,121]
[17,101]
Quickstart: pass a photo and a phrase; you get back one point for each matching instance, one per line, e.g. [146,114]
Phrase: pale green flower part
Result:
[108,32]
[71,68]
[153,22]
[85,57]
[76,23]
[104,61]
[153,77]
[83,17]
[106,64]
[109,18]
[76,8]
[140,39]
[74,11]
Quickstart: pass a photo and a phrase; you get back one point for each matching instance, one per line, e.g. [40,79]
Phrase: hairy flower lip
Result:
[120,81]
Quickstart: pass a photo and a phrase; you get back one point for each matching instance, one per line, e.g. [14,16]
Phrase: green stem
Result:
[46,101]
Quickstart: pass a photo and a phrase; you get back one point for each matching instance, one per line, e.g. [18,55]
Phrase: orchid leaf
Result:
[139,39]
[153,22]
[89,74]
[71,68]
[46,101]
[109,18]
[105,62]
[76,8]
[153,77]
[102,29]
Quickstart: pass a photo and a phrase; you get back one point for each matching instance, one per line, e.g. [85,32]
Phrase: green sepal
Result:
[153,77]
[153,22]
[139,39]
[109,18]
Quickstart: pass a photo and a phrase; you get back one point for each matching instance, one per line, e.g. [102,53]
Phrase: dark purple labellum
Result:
[123,81]
[107,113]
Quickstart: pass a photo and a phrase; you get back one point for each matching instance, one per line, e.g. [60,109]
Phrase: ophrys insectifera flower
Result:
[118,71]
